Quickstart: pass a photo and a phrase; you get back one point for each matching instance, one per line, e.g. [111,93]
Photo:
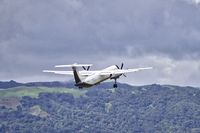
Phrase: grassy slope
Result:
[34,91]
[11,97]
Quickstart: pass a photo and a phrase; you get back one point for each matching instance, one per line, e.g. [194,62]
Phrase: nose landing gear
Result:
[115,84]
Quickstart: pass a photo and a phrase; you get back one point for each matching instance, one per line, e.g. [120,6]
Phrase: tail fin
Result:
[75,72]
[76,75]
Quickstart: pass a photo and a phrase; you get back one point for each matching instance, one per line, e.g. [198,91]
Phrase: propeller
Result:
[86,68]
[124,75]
[122,65]
[117,66]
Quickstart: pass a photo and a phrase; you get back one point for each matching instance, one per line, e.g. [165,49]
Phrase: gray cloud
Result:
[35,35]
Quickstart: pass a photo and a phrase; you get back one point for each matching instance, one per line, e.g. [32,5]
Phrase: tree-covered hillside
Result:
[144,109]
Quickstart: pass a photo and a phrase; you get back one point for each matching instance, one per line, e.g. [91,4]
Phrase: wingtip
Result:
[150,67]
[44,71]
[146,68]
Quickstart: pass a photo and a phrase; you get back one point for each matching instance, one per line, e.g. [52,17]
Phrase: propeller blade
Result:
[117,66]
[122,65]
[124,75]
[84,68]
[88,68]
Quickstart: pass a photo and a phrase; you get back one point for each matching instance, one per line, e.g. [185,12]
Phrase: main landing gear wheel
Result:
[115,86]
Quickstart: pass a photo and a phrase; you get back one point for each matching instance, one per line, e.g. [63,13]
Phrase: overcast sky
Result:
[165,34]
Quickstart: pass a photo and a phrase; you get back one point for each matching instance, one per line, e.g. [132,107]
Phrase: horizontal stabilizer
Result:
[74,65]
[59,72]
[82,73]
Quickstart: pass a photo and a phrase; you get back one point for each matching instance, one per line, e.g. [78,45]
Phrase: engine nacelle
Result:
[115,76]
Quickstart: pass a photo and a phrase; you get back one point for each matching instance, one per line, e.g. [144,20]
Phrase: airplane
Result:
[86,78]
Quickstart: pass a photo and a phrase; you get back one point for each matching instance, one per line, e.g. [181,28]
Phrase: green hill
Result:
[151,109]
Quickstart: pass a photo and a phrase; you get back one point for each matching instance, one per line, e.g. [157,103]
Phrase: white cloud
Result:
[196,1]
[165,71]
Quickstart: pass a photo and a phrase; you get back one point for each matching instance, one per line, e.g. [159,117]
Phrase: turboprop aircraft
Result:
[86,78]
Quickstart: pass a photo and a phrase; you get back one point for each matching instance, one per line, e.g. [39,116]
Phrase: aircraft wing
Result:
[82,73]
[123,71]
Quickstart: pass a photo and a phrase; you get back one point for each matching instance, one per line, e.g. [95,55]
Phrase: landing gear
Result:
[115,84]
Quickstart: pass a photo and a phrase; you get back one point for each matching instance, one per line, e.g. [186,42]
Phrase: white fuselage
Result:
[96,78]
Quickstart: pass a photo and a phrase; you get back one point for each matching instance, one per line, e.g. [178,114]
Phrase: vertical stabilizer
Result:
[76,75]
